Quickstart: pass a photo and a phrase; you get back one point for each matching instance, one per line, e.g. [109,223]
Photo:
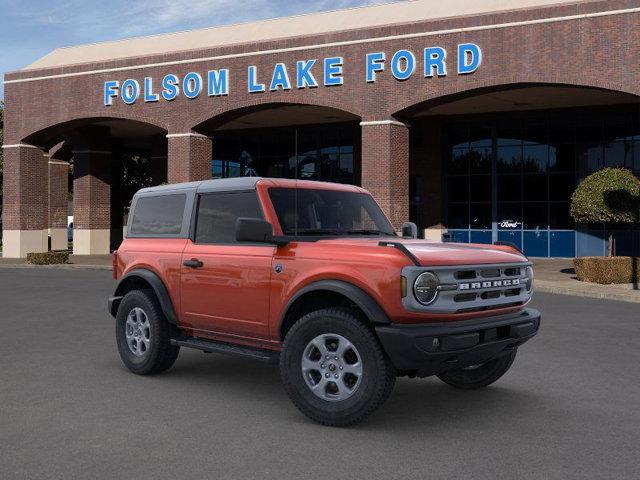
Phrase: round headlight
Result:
[425,288]
[529,279]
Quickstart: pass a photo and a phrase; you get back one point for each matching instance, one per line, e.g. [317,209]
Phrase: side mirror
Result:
[409,230]
[254,230]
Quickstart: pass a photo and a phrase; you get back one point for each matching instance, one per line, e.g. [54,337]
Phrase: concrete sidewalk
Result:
[552,276]
[558,276]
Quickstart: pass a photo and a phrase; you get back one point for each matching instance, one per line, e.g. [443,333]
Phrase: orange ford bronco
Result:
[313,275]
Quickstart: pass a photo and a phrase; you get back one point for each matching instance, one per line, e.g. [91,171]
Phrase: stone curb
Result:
[67,266]
[587,291]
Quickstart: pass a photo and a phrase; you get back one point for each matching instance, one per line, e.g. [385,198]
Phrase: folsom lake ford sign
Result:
[308,73]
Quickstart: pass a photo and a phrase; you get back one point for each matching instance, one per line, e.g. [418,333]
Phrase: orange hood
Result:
[435,253]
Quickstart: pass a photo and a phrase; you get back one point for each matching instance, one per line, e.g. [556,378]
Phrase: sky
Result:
[29,29]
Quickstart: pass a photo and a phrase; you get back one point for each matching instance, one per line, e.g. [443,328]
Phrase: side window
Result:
[158,215]
[217,214]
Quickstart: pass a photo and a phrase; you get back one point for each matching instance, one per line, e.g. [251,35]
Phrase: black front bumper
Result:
[431,349]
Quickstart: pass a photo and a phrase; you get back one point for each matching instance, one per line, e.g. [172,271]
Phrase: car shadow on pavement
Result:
[428,402]
[196,369]
[414,403]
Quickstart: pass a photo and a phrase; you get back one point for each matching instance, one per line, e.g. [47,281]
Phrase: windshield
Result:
[328,212]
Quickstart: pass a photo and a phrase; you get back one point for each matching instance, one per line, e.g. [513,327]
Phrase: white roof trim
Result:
[20,145]
[382,122]
[334,44]
[287,27]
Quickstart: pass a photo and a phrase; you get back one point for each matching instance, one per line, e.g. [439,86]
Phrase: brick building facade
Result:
[408,78]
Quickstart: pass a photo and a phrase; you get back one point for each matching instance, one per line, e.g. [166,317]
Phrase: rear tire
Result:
[334,369]
[143,334]
[479,376]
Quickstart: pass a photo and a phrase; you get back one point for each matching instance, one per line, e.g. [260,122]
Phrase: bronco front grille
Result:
[472,288]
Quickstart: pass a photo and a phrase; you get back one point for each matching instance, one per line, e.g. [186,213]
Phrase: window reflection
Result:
[510,159]
[324,153]
[535,158]
[459,160]
[538,159]
[480,216]
[480,159]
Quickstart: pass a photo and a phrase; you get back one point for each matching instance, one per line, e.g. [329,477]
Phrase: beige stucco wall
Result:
[17,243]
[91,242]
[59,239]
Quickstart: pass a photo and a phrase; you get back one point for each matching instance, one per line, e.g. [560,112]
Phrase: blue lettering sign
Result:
[280,78]
[254,87]
[218,82]
[149,96]
[192,85]
[403,64]
[434,59]
[375,63]
[170,87]
[130,91]
[110,92]
[469,58]
[333,71]
[304,77]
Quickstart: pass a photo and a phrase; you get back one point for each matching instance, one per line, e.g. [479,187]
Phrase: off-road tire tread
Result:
[384,365]
[165,354]
[482,377]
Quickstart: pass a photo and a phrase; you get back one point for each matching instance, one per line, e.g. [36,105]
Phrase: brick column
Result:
[117,200]
[91,202]
[159,159]
[91,190]
[385,167]
[58,191]
[25,212]
[189,157]
[426,166]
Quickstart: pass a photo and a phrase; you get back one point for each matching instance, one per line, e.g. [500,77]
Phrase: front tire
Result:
[334,369]
[479,376]
[143,334]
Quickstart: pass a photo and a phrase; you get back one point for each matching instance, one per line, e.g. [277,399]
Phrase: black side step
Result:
[210,346]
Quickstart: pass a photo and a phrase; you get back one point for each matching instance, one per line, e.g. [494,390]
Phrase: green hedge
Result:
[48,258]
[611,195]
[607,270]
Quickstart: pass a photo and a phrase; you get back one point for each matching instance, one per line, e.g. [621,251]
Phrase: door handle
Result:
[193,263]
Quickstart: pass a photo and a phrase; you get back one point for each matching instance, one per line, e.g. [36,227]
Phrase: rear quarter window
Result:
[158,216]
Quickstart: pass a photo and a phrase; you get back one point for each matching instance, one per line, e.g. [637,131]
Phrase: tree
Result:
[609,196]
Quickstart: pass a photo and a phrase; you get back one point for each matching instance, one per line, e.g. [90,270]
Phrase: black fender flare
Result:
[362,299]
[162,294]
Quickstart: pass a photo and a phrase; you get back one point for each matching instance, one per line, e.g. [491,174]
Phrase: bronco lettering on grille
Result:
[489,284]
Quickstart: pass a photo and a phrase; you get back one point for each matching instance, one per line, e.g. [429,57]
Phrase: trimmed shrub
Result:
[611,195]
[607,270]
[48,258]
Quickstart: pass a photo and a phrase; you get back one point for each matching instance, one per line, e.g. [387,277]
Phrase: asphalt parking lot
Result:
[569,408]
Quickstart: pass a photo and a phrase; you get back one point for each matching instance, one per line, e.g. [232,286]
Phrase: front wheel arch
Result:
[330,293]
